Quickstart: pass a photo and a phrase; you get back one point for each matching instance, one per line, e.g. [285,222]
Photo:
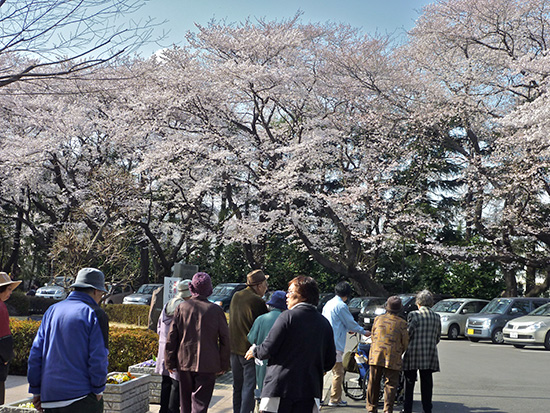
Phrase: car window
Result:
[542,310]
[538,303]
[406,299]
[497,306]
[356,302]
[480,305]
[223,290]
[447,306]
[147,288]
[520,307]
[469,308]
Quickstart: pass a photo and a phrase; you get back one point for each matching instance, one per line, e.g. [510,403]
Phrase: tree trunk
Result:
[511,282]
[12,263]
[530,281]
[143,263]
[540,288]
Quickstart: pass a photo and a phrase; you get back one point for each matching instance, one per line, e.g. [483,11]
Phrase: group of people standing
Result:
[67,365]
[287,331]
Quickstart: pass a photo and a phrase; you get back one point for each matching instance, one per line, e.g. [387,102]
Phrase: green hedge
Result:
[127,346]
[137,315]
[20,304]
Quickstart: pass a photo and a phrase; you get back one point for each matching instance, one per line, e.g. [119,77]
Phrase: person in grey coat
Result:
[424,327]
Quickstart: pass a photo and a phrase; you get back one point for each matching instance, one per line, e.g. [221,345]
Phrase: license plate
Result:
[513,335]
[367,320]
[470,331]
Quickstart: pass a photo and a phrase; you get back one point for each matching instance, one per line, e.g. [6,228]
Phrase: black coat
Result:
[300,350]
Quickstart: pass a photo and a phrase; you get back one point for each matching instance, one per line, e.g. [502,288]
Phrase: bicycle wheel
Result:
[354,386]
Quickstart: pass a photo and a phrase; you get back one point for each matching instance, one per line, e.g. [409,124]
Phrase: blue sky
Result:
[368,15]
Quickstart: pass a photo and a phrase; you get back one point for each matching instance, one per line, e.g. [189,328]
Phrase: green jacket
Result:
[259,331]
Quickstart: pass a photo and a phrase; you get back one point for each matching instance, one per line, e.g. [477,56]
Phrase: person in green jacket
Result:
[260,329]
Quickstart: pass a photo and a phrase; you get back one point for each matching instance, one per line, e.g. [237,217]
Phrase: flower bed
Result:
[14,407]
[130,396]
[155,382]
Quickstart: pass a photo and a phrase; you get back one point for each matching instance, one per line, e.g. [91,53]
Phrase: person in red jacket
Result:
[6,339]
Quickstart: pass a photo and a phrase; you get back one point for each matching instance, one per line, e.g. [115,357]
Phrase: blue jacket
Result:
[68,358]
[337,313]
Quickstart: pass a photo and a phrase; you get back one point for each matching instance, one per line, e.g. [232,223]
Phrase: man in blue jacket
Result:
[67,367]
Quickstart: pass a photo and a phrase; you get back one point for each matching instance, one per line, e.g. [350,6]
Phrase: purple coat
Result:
[163,327]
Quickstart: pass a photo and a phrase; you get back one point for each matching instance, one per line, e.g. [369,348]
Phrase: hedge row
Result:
[137,315]
[20,304]
[127,346]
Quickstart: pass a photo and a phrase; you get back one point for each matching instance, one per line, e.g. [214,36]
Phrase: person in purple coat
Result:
[169,391]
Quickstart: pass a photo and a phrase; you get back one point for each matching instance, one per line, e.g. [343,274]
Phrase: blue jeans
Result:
[244,383]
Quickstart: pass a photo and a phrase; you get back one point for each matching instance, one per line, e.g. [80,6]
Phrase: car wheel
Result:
[473,339]
[497,337]
[519,345]
[547,341]
[454,332]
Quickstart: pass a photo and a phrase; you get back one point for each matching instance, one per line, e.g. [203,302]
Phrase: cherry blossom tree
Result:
[59,38]
[480,62]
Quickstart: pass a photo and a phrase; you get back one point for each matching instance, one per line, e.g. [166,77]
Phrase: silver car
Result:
[57,289]
[454,313]
[530,330]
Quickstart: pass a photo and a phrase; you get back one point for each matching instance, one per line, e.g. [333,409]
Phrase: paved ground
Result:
[17,390]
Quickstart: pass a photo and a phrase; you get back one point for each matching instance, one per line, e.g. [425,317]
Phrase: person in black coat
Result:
[300,350]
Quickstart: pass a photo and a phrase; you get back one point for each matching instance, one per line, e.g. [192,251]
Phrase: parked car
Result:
[530,330]
[142,296]
[454,313]
[223,293]
[357,303]
[367,314]
[58,289]
[116,293]
[488,324]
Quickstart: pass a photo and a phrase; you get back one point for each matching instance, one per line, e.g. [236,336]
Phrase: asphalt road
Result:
[485,378]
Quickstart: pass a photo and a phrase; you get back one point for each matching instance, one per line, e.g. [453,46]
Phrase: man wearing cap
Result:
[337,313]
[260,329]
[169,391]
[245,307]
[67,366]
[389,341]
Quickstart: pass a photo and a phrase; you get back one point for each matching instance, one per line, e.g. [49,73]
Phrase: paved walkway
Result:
[17,390]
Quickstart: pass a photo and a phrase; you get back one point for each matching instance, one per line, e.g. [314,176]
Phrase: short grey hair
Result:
[424,298]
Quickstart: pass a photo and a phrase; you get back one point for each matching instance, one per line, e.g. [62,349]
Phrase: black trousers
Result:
[290,406]
[169,395]
[88,404]
[426,390]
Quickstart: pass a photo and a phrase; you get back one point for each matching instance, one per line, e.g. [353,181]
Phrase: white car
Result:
[55,290]
[454,313]
[532,329]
